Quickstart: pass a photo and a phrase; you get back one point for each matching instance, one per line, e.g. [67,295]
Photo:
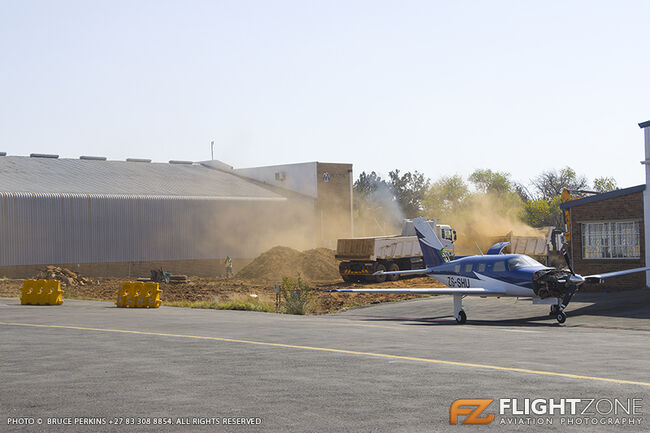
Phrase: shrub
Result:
[297,296]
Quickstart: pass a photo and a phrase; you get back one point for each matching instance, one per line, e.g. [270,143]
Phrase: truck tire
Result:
[392,267]
[379,278]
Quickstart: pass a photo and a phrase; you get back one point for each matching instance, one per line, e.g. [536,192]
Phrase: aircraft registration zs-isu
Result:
[493,274]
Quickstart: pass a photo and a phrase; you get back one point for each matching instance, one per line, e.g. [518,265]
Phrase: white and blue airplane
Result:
[494,274]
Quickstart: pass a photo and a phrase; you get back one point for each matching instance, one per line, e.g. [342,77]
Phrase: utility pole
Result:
[212,149]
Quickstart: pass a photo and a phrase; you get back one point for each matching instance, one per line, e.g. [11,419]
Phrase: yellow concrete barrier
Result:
[138,295]
[41,292]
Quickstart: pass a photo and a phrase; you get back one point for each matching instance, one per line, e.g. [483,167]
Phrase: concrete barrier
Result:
[41,292]
[138,295]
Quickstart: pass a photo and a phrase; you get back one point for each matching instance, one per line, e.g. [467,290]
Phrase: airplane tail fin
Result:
[429,243]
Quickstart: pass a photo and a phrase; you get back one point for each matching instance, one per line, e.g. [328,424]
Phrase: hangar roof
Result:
[21,174]
[603,196]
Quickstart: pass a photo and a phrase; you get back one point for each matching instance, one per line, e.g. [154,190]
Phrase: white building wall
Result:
[646,203]
[301,178]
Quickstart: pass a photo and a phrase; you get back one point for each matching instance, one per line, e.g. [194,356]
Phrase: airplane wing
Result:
[429,291]
[409,272]
[596,278]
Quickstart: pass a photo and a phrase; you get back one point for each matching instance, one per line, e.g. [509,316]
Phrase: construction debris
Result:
[65,276]
[160,276]
[178,279]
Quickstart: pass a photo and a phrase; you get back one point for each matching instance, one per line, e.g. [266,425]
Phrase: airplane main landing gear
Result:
[459,313]
[554,310]
[561,317]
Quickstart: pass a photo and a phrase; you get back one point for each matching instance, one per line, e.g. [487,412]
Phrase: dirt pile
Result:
[66,276]
[318,264]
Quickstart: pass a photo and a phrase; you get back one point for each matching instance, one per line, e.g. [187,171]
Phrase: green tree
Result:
[543,212]
[445,196]
[486,180]
[409,190]
[549,183]
[368,183]
[376,211]
[522,191]
[605,184]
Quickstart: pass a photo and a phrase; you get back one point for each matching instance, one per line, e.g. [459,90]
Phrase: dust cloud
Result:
[378,214]
[245,229]
[482,217]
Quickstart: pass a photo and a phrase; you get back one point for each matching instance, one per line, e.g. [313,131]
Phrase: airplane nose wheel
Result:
[561,317]
[461,318]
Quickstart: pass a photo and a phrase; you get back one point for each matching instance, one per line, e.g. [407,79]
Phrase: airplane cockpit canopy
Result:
[521,262]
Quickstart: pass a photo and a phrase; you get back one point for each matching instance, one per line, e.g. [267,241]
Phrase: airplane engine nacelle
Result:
[551,282]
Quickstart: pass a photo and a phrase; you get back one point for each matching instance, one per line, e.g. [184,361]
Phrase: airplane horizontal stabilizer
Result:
[597,277]
[429,291]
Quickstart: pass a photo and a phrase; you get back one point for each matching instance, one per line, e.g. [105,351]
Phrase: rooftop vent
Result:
[138,160]
[174,161]
[93,158]
[42,155]
[3,153]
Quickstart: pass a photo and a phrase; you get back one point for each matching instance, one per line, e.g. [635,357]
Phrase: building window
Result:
[611,240]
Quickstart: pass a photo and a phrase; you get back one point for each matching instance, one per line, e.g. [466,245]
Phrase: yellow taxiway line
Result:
[343,351]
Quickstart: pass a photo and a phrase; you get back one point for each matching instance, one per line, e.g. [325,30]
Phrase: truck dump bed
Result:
[378,248]
[528,245]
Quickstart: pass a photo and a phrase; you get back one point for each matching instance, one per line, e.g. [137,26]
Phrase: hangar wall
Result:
[96,229]
[107,216]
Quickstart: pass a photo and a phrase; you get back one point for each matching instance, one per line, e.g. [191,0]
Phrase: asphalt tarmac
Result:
[88,366]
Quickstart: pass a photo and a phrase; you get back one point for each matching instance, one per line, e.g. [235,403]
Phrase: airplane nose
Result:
[576,280]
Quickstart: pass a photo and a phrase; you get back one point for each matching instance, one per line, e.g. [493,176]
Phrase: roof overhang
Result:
[603,196]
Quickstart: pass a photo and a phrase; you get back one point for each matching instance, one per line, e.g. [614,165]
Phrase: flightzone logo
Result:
[471,409]
[547,411]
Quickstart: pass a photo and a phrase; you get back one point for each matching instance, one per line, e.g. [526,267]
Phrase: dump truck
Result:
[545,248]
[360,258]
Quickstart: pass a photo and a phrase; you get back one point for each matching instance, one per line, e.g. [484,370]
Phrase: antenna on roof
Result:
[212,149]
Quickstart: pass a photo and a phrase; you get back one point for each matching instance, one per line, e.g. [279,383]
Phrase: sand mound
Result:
[320,264]
[313,265]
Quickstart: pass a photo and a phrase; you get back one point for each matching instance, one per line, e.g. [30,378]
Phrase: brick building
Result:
[607,234]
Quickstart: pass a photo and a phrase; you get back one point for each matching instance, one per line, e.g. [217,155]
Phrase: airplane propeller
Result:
[567,259]
[574,279]
[573,283]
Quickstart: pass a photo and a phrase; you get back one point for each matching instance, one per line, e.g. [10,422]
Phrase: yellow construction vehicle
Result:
[568,195]
[565,197]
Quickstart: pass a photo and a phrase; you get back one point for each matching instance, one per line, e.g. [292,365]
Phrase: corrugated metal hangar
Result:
[111,217]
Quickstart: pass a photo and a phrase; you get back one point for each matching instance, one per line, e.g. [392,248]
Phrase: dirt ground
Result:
[223,290]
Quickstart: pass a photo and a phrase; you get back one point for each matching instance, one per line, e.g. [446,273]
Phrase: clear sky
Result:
[442,87]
